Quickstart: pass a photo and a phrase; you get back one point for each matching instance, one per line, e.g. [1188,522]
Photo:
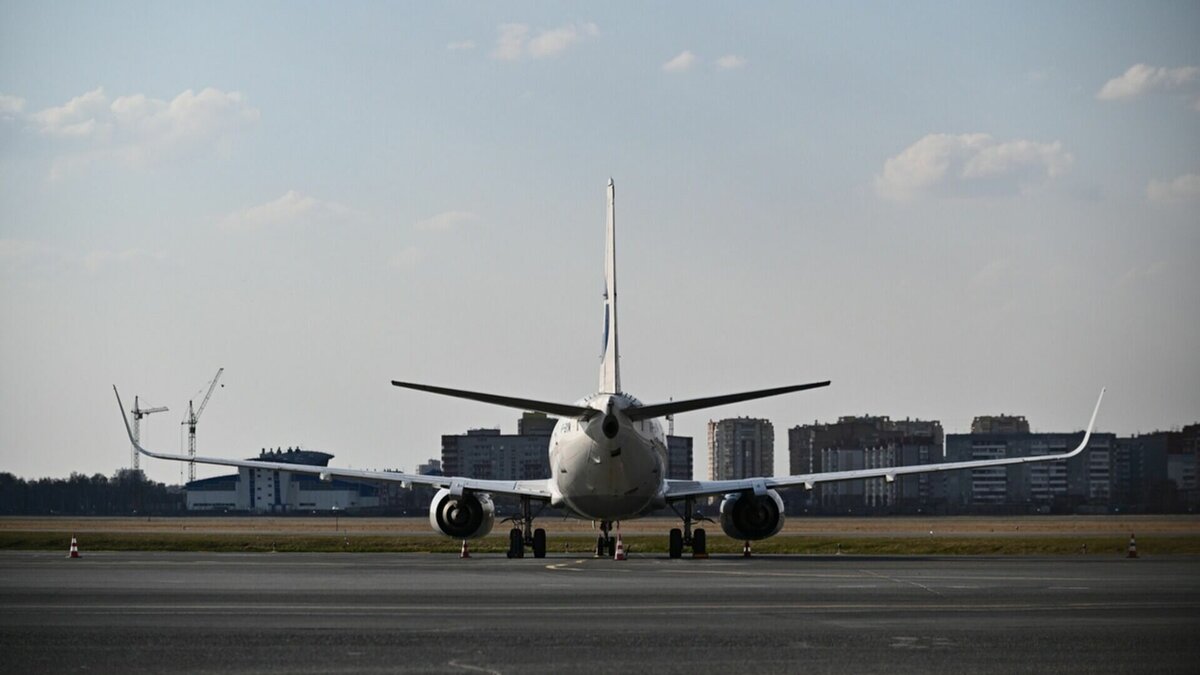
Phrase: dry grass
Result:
[1097,535]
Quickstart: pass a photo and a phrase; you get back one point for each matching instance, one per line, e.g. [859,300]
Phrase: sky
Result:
[947,209]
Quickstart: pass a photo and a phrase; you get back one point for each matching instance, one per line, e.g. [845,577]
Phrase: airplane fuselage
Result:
[608,467]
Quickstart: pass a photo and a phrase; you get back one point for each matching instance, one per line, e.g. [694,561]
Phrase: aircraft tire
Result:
[675,547]
[539,543]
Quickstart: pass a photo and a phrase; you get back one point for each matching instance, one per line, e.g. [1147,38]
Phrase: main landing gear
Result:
[697,540]
[525,535]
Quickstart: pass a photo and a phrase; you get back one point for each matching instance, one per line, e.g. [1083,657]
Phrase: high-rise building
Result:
[741,447]
[1000,424]
[679,457]
[863,443]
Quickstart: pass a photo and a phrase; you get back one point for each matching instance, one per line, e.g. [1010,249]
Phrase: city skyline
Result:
[948,211]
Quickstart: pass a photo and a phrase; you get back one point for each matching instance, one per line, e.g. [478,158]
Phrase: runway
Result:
[436,613]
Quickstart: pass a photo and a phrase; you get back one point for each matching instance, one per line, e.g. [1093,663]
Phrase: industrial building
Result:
[266,491]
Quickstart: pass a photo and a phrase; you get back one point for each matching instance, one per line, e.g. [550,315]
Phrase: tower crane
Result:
[138,413]
[193,417]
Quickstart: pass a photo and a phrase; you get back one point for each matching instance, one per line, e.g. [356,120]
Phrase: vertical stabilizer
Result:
[610,367]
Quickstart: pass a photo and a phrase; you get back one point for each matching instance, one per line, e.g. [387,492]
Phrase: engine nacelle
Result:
[746,516]
[470,516]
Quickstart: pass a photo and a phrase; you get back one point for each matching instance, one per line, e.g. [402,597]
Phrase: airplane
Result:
[608,456]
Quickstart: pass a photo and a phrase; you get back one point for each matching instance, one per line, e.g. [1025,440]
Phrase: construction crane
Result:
[138,413]
[193,417]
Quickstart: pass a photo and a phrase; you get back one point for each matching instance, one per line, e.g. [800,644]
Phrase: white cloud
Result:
[292,208]
[683,61]
[1183,188]
[1141,79]
[449,220]
[461,45]
[965,164]
[11,106]
[731,62]
[514,41]
[96,261]
[82,116]
[140,130]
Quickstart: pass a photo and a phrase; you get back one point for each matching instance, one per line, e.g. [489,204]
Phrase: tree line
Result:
[126,493]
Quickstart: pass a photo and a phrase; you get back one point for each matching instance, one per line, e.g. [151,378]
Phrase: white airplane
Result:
[607,462]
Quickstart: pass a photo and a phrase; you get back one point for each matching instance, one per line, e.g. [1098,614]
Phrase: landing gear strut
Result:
[605,546]
[687,538]
[525,535]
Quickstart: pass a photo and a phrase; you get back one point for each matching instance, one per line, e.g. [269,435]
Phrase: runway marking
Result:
[559,567]
[901,581]
[423,608]
[477,669]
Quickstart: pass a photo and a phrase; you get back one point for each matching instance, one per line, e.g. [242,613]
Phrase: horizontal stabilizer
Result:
[673,407]
[557,409]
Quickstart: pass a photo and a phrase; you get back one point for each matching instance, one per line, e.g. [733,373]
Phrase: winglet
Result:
[1087,436]
[125,419]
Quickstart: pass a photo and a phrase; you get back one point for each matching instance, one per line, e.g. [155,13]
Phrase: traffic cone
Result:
[464,553]
[1132,547]
[620,553]
[74,552]
[746,549]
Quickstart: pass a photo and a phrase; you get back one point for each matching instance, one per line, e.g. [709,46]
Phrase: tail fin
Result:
[610,366]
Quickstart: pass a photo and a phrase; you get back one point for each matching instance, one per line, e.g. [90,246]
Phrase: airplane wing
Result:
[680,489]
[535,489]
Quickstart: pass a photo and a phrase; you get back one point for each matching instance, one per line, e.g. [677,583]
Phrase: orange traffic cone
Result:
[620,552]
[74,552]
[746,549]
[464,553]
[1132,547]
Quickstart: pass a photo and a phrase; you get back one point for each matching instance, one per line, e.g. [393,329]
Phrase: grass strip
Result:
[584,545]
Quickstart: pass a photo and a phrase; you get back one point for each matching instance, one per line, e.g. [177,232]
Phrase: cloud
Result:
[292,208]
[966,164]
[11,106]
[514,41]
[461,45]
[1142,79]
[1182,189]
[449,220]
[83,116]
[730,62]
[683,61]
[138,129]
[96,261]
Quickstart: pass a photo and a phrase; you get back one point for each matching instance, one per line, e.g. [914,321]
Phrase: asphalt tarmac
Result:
[170,612]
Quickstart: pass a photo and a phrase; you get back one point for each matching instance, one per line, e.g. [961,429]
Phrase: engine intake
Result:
[470,516]
[746,516]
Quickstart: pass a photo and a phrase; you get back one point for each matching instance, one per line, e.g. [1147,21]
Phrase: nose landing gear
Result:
[605,544]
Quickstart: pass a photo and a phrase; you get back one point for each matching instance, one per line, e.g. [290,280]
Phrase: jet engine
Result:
[747,516]
[469,516]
